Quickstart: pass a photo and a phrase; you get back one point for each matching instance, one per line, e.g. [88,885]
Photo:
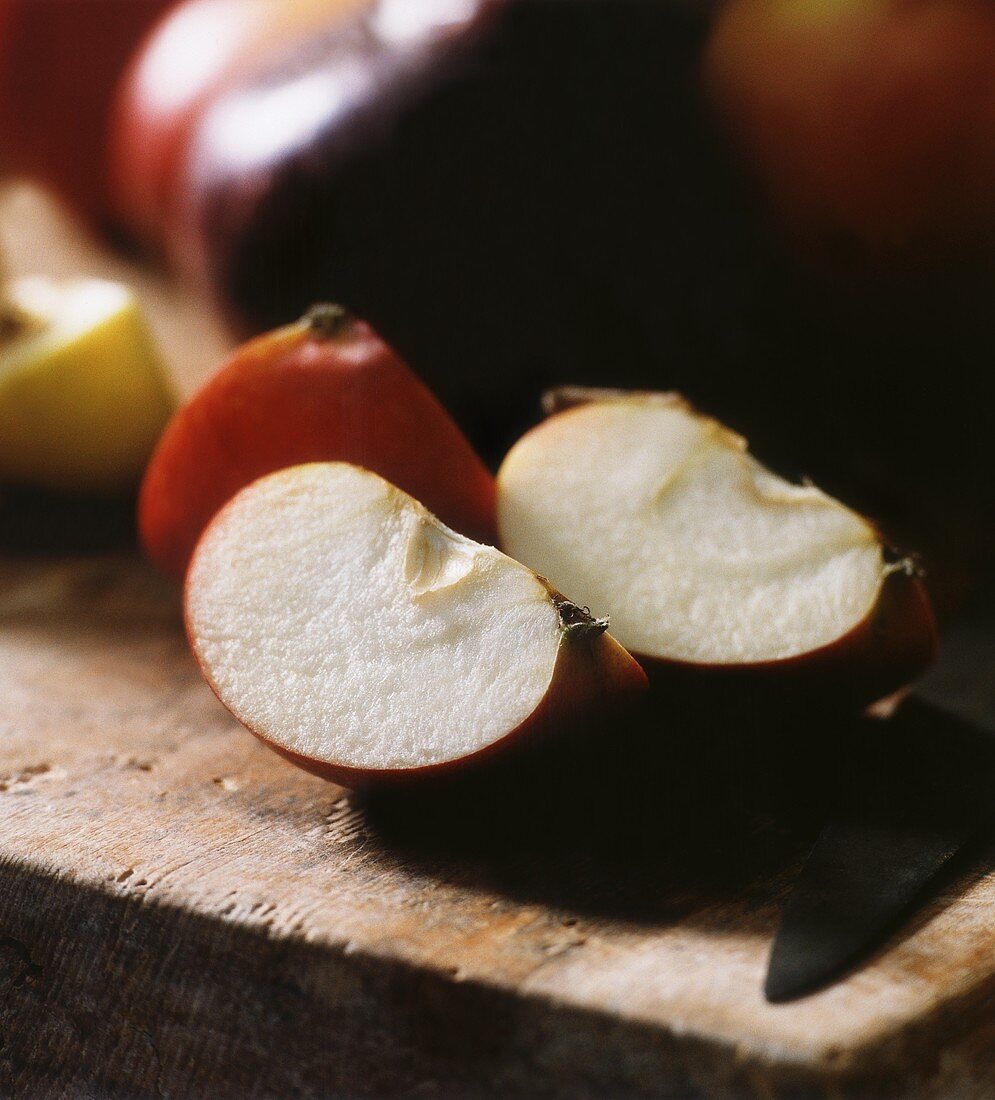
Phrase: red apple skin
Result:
[593,678]
[60,61]
[162,95]
[870,118]
[306,394]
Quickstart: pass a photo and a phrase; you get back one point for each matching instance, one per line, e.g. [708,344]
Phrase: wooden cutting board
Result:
[184,914]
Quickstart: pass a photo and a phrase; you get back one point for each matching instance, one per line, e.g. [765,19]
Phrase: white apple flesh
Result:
[83,393]
[644,509]
[348,628]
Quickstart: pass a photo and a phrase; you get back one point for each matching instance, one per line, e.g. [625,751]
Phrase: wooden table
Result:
[183,914]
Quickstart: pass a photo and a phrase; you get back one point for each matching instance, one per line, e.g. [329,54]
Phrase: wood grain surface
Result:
[183,914]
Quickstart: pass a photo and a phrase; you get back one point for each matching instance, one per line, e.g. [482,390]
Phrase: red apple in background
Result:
[327,388]
[874,118]
[195,52]
[60,61]
[350,630]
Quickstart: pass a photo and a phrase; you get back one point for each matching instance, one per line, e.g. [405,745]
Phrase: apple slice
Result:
[83,393]
[326,389]
[641,507]
[349,629]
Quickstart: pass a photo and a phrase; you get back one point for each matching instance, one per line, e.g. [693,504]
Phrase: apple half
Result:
[349,629]
[642,508]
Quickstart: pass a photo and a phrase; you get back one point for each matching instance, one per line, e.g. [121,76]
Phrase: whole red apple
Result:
[874,118]
[324,389]
[200,48]
[60,61]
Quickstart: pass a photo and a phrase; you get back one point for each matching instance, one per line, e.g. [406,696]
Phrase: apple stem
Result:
[908,565]
[327,320]
[577,622]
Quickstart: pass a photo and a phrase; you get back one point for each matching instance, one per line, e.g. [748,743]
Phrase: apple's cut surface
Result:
[84,395]
[642,508]
[344,625]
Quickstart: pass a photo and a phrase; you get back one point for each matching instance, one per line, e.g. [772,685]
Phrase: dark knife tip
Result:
[790,977]
[777,994]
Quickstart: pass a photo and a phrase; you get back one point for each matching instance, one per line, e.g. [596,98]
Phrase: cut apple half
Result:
[645,509]
[348,628]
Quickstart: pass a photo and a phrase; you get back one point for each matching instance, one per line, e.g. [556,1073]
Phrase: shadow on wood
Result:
[647,818]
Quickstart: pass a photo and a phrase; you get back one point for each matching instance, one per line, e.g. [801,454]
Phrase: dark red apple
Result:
[514,192]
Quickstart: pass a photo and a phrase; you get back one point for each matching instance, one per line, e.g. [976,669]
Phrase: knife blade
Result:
[919,787]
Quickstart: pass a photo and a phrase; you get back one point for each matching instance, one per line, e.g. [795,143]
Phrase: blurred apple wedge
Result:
[83,393]
[350,630]
[714,569]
